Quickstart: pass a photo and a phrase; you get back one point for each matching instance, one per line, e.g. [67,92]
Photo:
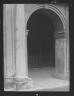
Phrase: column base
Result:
[23,83]
[60,76]
[68,76]
[9,83]
[18,83]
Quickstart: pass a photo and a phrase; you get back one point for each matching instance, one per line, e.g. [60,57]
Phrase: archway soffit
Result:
[46,6]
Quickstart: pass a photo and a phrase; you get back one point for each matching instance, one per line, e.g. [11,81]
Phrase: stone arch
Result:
[46,6]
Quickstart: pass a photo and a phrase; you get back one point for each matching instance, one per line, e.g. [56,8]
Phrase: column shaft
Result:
[22,80]
[61,58]
[9,42]
[21,46]
[8,46]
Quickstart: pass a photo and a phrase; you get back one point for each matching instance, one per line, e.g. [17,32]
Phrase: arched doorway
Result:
[39,38]
[57,21]
[54,26]
[41,44]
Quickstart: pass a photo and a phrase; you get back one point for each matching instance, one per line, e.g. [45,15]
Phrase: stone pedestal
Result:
[9,83]
[22,84]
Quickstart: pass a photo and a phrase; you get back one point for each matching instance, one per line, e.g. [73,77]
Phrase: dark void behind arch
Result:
[41,42]
[53,18]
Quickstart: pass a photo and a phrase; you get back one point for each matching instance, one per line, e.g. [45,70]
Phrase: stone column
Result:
[8,46]
[60,55]
[21,79]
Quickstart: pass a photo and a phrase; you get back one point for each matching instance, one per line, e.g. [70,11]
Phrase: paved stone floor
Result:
[44,80]
[66,88]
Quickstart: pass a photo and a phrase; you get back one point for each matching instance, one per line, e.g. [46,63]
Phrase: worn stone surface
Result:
[9,40]
[43,80]
[18,84]
[9,83]
[23,84]
[60,56]
[21,43]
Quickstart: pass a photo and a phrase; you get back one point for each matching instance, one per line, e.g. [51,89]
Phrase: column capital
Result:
[61,34]
[27,32]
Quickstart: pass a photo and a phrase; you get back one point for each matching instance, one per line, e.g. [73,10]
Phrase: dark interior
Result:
[40,41]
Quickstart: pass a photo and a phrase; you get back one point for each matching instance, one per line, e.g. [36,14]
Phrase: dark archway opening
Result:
[43,26]
[40,41]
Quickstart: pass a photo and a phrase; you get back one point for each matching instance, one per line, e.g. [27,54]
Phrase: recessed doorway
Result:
[42,26]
